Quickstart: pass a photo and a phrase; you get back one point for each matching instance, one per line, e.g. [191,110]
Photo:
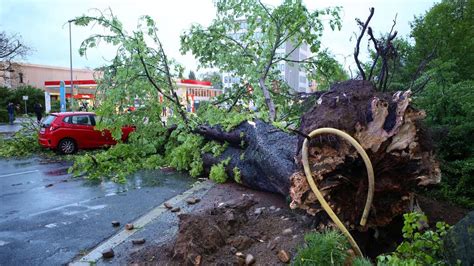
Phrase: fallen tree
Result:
[386,126]
[255,153]
[259,155]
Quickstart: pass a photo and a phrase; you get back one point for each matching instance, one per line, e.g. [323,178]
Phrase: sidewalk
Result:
[7,129]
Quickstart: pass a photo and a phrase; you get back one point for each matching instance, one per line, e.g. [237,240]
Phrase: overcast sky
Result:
[43,24]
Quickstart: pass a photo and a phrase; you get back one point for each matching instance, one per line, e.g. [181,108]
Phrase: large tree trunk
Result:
[383,123]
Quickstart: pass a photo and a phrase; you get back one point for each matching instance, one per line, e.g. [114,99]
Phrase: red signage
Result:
[81,96]
[68,82]
[196,82]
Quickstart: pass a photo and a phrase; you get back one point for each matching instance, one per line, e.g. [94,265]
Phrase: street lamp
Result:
[70,62]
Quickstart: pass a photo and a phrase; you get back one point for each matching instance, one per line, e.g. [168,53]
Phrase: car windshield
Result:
[48,120]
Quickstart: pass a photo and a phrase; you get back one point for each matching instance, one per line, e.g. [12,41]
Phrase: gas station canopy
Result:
[82,89]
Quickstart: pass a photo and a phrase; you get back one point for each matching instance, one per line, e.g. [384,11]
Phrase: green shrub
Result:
[327,248]
[55,106]
[420,246]
[5,95]
[237,177]
[361,262]
[35,95]
[218,173]
[4,116]
[450,115]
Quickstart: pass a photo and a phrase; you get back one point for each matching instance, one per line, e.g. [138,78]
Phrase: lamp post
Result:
[70,63]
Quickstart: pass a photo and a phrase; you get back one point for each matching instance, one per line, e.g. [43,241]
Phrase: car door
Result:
[84,132]
[103,137]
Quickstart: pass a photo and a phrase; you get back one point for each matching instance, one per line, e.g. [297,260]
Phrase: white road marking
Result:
[94,255]
[21,173]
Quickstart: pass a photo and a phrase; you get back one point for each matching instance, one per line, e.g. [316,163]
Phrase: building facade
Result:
[48,79]
[291,73]
[190,92]
[193,92]
[23,74]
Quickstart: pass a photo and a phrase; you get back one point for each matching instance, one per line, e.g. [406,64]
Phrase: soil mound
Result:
[204,233]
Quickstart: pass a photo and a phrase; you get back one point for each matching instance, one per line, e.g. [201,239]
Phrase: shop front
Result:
[83,92]
[193,92]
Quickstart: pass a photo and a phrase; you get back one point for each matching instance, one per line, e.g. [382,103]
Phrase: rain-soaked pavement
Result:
[48,218]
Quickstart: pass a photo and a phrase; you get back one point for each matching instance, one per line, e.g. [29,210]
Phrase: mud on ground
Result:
[260,224]
[232,219]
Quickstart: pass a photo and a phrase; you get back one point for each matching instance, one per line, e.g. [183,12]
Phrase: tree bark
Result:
[384,124]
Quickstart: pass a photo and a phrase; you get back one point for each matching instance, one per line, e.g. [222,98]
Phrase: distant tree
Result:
[326,70]
[214,77]
[192,75]
[442,59]
[11,48]
[4,95]
[245,36]
[445,34]
[35,95]
[15,96]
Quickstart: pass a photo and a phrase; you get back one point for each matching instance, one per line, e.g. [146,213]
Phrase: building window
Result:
[21,77]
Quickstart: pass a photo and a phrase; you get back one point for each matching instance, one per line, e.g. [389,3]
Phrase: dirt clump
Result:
[219,235]
[204,233]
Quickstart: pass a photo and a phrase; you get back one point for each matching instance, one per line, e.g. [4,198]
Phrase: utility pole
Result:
[70,61]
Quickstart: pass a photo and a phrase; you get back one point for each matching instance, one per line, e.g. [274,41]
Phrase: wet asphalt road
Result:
[48,218]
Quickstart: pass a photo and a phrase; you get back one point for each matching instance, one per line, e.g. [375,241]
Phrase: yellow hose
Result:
[319,196]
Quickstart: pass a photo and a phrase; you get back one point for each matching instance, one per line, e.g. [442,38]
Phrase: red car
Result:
[67,132]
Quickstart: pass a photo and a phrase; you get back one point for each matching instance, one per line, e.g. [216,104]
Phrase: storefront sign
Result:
[62,96]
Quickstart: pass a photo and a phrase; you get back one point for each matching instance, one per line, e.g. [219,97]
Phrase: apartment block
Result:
[291,73]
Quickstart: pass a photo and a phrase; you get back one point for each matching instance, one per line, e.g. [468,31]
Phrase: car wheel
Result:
[67,146]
